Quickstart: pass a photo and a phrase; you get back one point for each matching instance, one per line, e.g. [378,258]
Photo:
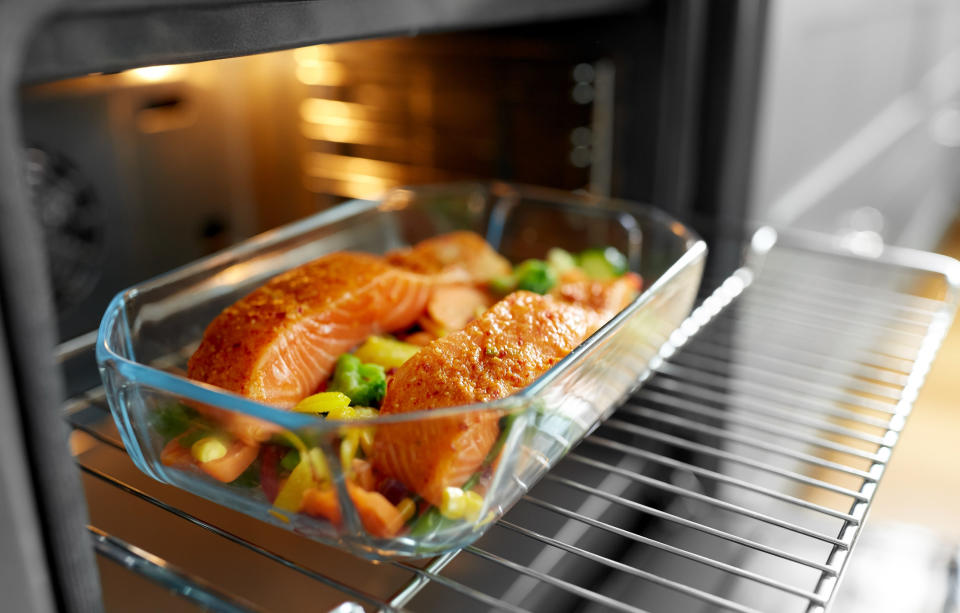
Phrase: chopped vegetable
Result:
[454,503]
[208,449]
[366,440]
[304,476]
[393,490]
[290,460]
[269,479]
[353,413]
[322,503]
[248,478]
[324,402]
[172,420]
[363,474]
[175,454]
[237,459]
[365,384]
[379,517]
[473,504]
[407,508]
[433,520]
[348,448]
[603,264]
[385,351]
[503,285]
[535,276]
[561,260]
[188,438]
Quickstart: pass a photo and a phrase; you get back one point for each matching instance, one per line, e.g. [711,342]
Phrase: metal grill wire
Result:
[737,478]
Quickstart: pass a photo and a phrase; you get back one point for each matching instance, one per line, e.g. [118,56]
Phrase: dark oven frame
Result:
[707,79]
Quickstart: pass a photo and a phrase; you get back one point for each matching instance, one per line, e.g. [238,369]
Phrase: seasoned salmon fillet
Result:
[604,298]
[279,343]
[457,257]
[497,354]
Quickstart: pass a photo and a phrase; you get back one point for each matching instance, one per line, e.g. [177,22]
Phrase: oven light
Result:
[153,74]
[309,56]
[321,73]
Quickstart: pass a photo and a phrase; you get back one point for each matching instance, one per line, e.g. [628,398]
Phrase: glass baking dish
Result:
[151,327]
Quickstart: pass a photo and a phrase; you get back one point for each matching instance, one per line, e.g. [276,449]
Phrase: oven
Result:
[139,136]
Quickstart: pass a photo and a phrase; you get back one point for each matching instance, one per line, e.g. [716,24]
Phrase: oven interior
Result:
[737,478]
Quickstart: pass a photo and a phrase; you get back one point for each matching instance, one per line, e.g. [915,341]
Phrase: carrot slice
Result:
[176,455]
[239,457]
[379,517]
[322,503]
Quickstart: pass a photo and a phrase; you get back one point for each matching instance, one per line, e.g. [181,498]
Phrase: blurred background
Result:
[838,117]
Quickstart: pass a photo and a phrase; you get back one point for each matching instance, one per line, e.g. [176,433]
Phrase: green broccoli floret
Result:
[535,276]
[365,384]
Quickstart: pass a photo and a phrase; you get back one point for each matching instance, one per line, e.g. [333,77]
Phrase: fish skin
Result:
[497,354]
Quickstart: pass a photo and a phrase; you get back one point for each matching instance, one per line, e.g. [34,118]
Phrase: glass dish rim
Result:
[203,393]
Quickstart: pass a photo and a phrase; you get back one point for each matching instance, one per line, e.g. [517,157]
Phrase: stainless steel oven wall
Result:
[860,122]
[133,174]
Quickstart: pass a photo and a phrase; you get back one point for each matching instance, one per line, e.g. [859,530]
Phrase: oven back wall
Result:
[138,172]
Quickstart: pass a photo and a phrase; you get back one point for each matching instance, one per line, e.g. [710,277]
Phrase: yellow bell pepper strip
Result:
[324,402]
[385,351]
[407,508]
[309,473]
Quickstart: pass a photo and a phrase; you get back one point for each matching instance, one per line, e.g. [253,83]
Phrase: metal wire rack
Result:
[737,478]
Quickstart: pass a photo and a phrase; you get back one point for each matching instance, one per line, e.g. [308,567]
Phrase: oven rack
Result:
[737,478]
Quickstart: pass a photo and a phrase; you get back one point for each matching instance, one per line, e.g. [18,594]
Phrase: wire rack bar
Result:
[789,370]
[754,386]
[596,439]
[167,575]
[733,538]
[233,538]
[683,553]
[636,572]
[748,441]
[755,331]
[783,387]
[757,405]
[712,501]
[732,457]
[560,583]
[778,275]
[433,575]
[827,363]
[822,298]
[762,390]
[781,415]
[902,348]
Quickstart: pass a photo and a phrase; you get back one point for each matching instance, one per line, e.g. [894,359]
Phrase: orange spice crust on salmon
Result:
[497,354]
[280,342]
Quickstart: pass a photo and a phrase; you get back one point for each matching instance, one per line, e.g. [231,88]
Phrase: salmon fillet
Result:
[457,257]
[279,343]
[497,354]
[604,298]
